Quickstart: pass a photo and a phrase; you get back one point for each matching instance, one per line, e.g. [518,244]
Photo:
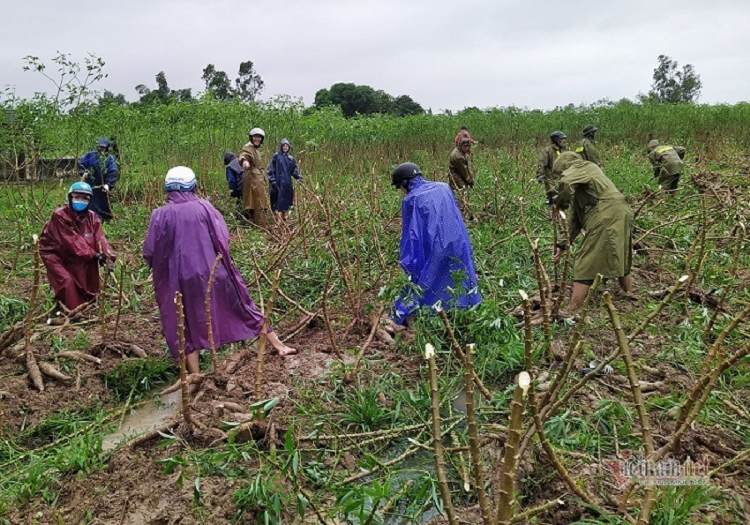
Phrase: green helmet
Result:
[80,187]
[589,130]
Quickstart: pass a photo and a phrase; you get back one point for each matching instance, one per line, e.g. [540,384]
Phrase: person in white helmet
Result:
[255,200]
[183,240]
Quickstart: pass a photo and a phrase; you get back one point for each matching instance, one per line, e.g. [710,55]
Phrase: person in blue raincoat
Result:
[235,173]
[100,171]
[280,171]
[436,252]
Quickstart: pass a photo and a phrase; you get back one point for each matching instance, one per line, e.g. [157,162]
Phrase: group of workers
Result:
[246,177]
[186,236]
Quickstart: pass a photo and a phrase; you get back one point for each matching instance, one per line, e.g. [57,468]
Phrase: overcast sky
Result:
[444,54]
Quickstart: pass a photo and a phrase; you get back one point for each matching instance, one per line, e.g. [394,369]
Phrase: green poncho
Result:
[602,212]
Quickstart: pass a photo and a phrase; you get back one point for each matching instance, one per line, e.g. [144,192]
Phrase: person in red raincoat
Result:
[72,246]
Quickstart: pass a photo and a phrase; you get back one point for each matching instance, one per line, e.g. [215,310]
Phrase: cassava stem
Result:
[437,442]
[209,321]
[264,336]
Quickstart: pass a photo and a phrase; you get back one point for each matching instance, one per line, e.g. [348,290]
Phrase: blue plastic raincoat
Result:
[235,174]
[280,171]
[436,252]
[101,169]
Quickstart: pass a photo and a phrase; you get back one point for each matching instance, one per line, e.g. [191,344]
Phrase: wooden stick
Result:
[119,299]
[375,323]
[437,442]
[325,316]
[31,364]
[103,302]
[209,322]
[561,470]
[263,337]
[474,452]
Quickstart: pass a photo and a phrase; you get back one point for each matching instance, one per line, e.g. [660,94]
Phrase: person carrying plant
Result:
[100,172]
[603,212]
[72,246]
[183,240]
[460,176]
[587,150]
[464,134]
[280,171]
[254,187]
[544,172]
[667,163]
[435,250]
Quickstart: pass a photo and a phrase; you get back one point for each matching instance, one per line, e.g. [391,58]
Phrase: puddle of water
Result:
[148,417]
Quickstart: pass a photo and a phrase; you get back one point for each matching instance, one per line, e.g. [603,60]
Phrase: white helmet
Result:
[180,178]
[258,131]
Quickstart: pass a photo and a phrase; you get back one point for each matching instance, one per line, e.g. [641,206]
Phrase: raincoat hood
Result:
[565,161]
[229,157]
[652,144]
[281,145]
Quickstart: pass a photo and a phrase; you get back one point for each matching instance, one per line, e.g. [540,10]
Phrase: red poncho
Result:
[68,247]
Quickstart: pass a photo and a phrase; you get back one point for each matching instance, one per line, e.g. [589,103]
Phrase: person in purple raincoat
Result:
[183,240]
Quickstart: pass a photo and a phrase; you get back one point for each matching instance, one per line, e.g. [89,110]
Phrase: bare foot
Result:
[286,350]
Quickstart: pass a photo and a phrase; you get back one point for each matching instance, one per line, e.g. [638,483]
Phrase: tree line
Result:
[671,85]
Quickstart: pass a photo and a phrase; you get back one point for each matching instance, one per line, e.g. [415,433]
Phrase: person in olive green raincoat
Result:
[601,211]
[460,176]
[587,150]
[667,163]
[544,173]
[255,200]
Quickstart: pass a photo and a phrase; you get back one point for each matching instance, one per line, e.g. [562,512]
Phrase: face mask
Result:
[80,205]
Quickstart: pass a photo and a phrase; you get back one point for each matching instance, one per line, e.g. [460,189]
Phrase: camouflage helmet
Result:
[652,145]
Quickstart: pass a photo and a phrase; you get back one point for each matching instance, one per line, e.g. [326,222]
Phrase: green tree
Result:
[109,98]
[364,100]
[405,105]
[672,86]
[249,84]
[218,83]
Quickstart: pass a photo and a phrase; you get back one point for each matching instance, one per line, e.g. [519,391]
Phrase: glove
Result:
[101,259]
[540,178]
[235,194]
[470,184]
[106,188]
[551,197]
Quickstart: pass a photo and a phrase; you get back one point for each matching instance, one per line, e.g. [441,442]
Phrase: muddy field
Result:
[342,432]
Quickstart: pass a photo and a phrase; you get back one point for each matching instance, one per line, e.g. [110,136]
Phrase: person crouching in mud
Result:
[435,247]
